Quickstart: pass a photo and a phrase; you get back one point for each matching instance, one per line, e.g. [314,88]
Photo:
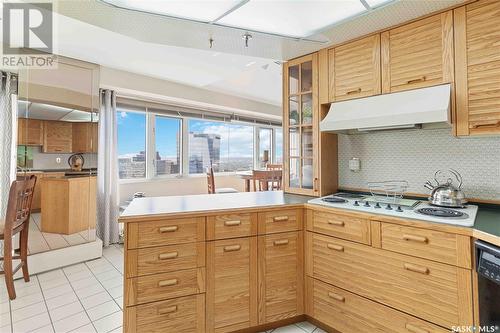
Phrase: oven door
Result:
[488,271]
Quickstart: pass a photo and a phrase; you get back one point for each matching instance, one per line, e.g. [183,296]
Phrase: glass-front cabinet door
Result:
[301,125]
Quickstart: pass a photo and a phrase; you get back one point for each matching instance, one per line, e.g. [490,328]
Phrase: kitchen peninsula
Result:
[254,261]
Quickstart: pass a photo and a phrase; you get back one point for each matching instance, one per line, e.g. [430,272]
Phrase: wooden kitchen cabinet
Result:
[308,154]
[84,138]
[477,54]
[281,276]
[419,54]
[29,132]
[58,137]
[355,69]
[231,284]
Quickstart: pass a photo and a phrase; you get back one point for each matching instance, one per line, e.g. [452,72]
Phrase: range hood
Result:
[407,109]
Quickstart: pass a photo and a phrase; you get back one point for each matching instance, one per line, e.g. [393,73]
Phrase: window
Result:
[131,144]
[224,147]
[167,159]
[154,143]
[265,147]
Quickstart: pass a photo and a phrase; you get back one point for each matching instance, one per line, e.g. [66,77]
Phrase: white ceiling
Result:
[178,50]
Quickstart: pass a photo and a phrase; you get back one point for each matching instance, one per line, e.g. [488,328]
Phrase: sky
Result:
[132,133]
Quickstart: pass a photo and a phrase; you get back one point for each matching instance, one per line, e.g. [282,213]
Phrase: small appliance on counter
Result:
[445,193]
[76,162]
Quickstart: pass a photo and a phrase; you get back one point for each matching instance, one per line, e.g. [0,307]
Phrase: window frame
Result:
[150,143]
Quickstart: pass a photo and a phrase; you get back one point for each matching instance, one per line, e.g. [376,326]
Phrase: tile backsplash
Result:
[415,155]
[41,161]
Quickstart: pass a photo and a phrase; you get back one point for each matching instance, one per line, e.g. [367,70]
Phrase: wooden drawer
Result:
[281,276]
[159,287]
[231,226]
[280,221]
[356,69]
[165,232]
[231,284]
[165,259]
[434,245]
[432,291]
[180,315]
[346,226]
[347,312]
[418,54]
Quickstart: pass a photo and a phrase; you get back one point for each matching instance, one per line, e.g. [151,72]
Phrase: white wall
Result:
[178,186]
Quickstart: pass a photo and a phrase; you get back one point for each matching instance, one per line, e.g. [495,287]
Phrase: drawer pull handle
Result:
[167,283]
[416,269]
[415,238]
[280,218]
[415,329]
[356,91]
[335,247]
[232,248]
[336,297]
[166,256]
[169,229]
[338,223]
[487,124]
[170,309]
[281,242]
[420,79]
[232,223]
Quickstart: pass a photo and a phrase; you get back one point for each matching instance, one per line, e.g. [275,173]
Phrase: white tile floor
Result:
[39,241]
[85,298]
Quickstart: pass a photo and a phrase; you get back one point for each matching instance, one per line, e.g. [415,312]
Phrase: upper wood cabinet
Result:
[419,54]
[57,137]
[29,132]
[477,54]
[308,153]
[355,69]
[84,137]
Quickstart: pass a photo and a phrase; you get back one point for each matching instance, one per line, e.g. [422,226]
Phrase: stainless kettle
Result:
[447,195]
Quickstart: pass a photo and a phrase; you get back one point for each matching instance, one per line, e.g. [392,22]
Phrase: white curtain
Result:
[107,178]
[8,141]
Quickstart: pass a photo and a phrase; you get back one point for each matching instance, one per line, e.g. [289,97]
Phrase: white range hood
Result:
[407,109]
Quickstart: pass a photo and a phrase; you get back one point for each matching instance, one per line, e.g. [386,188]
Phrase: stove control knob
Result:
[399,209]
[367,204]
[377,205]
[388,207]
[356,203]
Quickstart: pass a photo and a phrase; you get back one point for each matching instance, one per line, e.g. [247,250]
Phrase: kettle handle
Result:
[458,176]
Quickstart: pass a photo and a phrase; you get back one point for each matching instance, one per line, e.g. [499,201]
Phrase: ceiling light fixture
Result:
[246,37]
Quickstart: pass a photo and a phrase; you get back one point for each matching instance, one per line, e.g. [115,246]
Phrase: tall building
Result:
[204,151]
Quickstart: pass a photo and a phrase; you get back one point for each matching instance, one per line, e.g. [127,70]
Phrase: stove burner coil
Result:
[442,212]
[334,200]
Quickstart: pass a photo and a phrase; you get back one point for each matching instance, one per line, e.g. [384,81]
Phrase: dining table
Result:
[247,176]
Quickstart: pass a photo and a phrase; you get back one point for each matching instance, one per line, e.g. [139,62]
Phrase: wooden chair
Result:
[267,180]
[270,166]
[17,221]
[211,184]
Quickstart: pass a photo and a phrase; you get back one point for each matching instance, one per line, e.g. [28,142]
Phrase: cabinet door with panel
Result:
[281,276]
[231,284]
[301,125]
[477,54]
[29,132]
[419,54]
[58,137]
[356,69]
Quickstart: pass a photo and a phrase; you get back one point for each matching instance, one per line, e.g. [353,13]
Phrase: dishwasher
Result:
[488,272]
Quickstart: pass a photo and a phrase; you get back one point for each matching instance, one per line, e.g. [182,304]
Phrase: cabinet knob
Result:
[232,248]
[169,229]
[355,91]
[416,238]
[281,242]
[170,309]
[335,247]
[337,223]
[168,283]
[166,256]
[336,297]
[232,223]
[416,269]
[280,218]
[420,79]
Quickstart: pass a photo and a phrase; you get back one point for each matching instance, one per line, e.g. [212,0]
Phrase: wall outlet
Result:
[354,164]
[58,160]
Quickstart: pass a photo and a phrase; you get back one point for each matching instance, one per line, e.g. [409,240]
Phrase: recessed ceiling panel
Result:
[298,18]
[206,10]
